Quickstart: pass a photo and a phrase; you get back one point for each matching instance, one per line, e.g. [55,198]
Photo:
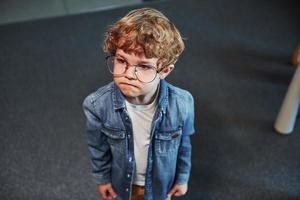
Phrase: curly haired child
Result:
[139,125]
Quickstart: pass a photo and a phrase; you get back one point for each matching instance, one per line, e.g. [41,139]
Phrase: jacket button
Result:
[127,189]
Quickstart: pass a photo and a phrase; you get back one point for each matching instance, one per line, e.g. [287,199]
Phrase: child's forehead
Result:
[131,46]
[136,55]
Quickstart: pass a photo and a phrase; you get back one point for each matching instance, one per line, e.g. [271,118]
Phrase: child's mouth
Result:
[128,84]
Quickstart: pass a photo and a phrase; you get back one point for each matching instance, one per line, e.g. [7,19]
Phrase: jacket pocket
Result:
[115,138]
[167,141]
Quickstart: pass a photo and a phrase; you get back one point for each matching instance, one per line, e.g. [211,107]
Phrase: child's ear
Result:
[166,71]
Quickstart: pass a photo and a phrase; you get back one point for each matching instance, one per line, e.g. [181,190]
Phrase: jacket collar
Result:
[119,99]
[163,96]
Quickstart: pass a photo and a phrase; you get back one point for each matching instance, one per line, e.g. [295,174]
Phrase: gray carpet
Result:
[236,65]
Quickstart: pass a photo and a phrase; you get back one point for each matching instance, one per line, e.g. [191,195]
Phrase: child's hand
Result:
[178,190]
[106,192]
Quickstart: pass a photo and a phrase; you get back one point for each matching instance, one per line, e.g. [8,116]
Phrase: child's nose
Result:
[130,72]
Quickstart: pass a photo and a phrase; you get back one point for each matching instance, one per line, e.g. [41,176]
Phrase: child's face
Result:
[132,88]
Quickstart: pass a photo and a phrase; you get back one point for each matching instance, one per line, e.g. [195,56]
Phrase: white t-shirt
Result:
[141,117]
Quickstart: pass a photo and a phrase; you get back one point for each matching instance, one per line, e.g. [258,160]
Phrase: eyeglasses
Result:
[118,66]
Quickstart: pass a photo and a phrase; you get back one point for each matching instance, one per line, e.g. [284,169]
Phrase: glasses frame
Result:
[127,66]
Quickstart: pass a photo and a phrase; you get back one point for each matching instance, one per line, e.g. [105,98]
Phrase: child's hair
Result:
[145,31]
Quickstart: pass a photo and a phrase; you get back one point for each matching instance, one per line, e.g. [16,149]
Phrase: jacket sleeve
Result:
[185,148]
[184,161]
[98,147]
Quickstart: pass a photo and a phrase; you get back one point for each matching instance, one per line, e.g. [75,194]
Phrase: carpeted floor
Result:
[236,65]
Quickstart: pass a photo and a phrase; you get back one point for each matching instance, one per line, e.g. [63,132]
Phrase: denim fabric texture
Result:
[110,140]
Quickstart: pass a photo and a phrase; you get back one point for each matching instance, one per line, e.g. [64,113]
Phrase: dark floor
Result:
[236,65]
[18,10]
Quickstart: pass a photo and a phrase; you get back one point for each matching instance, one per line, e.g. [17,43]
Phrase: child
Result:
[139,126]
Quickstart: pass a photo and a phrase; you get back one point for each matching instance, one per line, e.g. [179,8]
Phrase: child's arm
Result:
[183,168]
[98,147]
[106,191]
[184,161]
[184,152]
[178,190]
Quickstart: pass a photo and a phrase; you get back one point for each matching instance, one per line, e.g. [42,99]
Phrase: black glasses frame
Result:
[135,71]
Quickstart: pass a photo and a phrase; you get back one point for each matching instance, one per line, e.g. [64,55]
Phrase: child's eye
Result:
[144,67]
[121,61]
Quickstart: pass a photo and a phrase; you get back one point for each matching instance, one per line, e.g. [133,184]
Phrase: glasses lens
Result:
[146,74]
[115,66]
[118,66]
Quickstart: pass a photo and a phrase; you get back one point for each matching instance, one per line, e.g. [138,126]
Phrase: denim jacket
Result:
[110,140]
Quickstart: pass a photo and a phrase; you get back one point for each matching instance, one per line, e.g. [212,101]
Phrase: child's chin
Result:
[129,93]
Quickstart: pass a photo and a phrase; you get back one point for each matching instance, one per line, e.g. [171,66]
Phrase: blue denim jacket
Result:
[110,140]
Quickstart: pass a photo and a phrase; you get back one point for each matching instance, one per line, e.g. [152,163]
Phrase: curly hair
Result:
[145,31]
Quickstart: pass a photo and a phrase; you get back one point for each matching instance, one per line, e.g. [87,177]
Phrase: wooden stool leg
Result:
[286,118]
[295,57]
